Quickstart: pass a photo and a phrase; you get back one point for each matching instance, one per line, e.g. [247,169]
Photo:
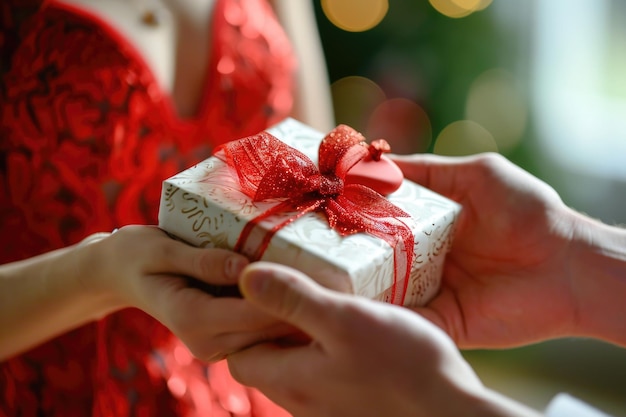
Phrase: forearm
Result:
[599,280]
[44,296]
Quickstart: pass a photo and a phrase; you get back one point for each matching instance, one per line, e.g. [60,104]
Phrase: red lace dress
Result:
[86,137]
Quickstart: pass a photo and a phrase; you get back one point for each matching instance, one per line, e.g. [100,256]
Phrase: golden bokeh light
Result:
[482,5]
[355,15]
[464,137]
[495,102]
[459,8]
[354,99]
[403,123]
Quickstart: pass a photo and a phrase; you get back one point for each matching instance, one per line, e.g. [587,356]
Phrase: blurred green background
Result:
[541,81]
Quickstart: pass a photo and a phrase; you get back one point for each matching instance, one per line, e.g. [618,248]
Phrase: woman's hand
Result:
[138,266]
[519,270]
[364,358]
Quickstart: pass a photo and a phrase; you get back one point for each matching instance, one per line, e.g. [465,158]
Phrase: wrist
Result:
[468,397]
[480,401]
[72,274]
[599,280]
[493,404]
[91,279]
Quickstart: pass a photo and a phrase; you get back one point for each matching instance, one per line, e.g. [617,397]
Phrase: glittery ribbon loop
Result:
[267,168]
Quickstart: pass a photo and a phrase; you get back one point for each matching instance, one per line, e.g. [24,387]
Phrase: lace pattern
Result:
[86,137]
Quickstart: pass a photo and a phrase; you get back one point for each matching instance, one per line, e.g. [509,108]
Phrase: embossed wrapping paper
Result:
[204,206]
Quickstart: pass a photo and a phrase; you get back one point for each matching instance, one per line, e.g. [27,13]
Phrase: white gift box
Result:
[205,207]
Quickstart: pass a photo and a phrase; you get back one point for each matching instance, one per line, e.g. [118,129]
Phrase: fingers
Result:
[438,173]
[274,369]
[290,296]
[210,327]
[225,315]
[420,167]
[191,311]
[220,346]
[160,254]
[216,266]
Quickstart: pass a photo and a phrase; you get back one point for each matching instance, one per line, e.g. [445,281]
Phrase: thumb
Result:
[290,296]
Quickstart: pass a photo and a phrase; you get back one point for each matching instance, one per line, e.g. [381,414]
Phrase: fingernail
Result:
[234,266]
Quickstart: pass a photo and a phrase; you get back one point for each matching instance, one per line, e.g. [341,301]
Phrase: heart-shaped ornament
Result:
[376,171]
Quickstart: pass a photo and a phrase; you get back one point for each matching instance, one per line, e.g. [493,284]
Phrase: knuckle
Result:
[490,160]
[486,165]
[179,326]
[200,345]
[204,264]
[206,353]
[179,318]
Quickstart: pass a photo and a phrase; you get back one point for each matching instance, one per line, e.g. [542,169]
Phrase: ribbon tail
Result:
[408,242]
[257,251]
[403,244]
[350,214]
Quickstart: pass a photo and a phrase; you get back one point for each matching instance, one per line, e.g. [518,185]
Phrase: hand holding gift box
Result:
[265,197]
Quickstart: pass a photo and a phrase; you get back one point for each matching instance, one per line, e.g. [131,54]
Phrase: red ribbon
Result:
[268,168]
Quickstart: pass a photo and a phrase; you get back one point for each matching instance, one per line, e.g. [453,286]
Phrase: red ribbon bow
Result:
[268,168]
